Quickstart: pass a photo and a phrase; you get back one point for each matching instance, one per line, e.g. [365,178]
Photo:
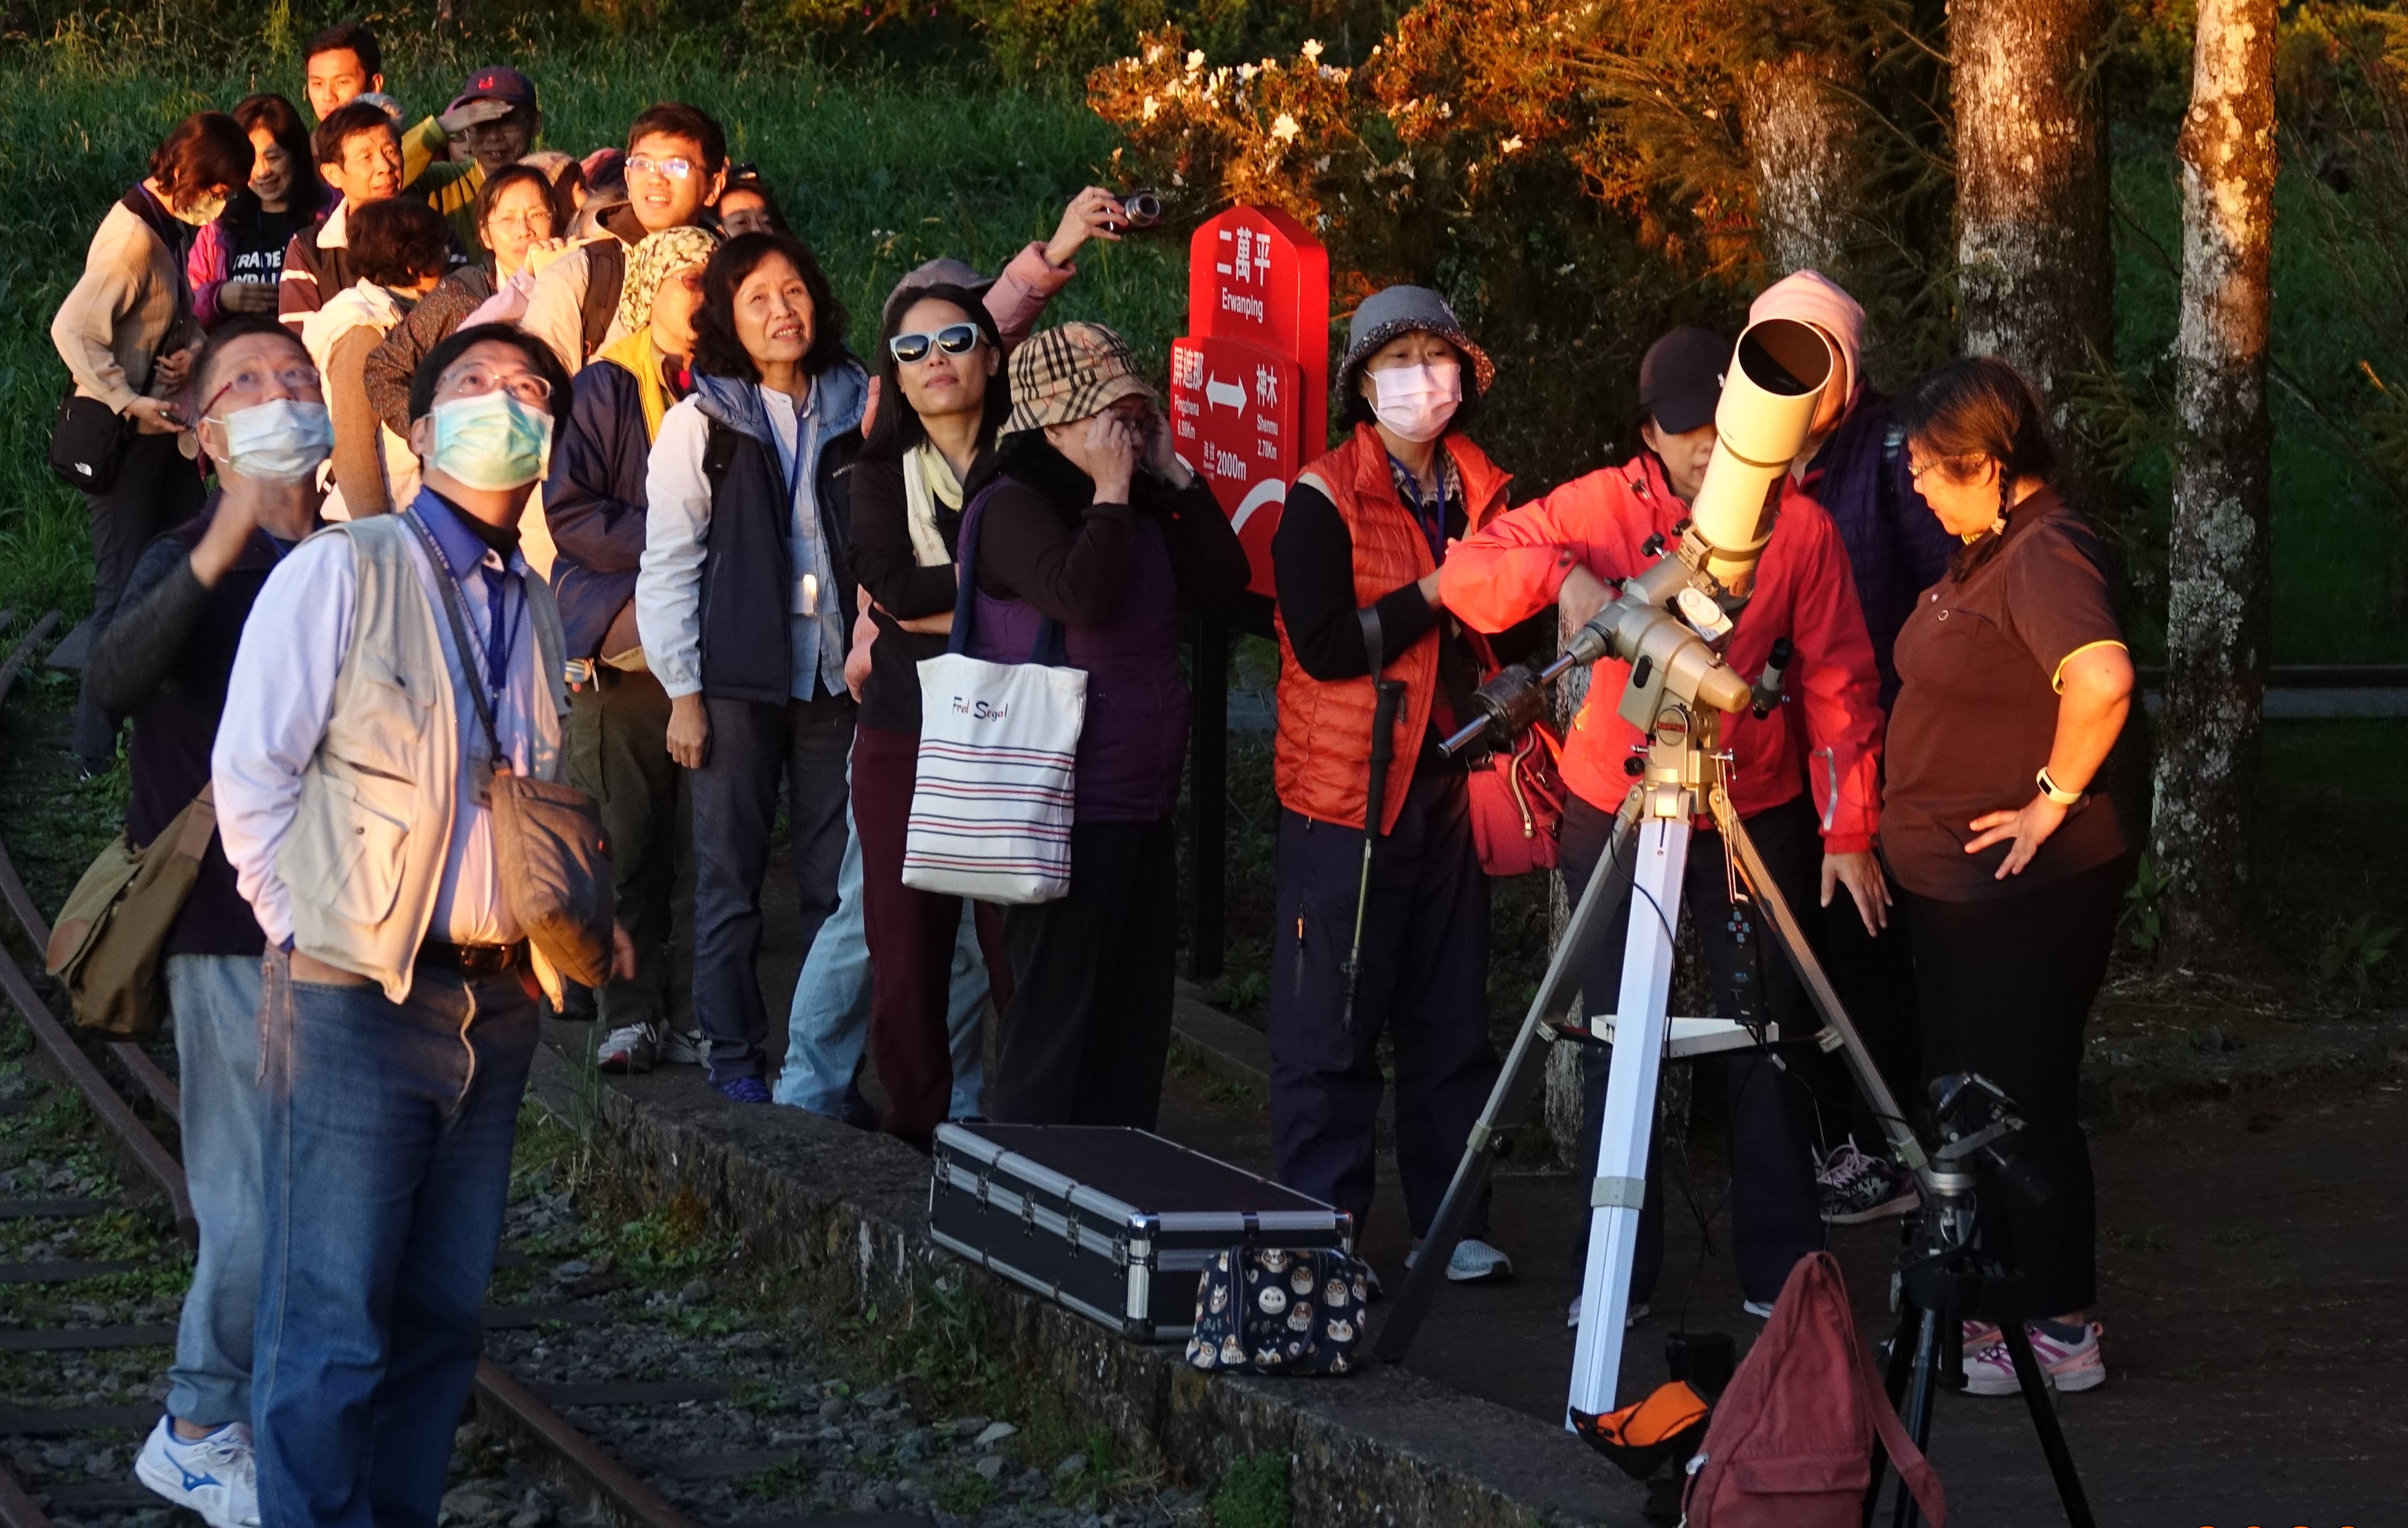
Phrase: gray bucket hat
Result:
[1400,311]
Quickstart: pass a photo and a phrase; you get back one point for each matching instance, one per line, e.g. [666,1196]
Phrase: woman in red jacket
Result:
[1355,562]
[1562,550]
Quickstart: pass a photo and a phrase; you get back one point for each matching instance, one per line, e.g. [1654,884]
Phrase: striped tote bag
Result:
[992,806]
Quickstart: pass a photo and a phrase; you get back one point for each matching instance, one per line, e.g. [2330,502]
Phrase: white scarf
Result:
[928,481]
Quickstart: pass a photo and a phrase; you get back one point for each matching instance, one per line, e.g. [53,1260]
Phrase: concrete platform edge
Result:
[1381,1448]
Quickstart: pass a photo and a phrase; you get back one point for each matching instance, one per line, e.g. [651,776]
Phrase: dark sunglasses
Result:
[953,339]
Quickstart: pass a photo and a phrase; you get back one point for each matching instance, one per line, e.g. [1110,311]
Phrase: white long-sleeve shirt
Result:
[281,695]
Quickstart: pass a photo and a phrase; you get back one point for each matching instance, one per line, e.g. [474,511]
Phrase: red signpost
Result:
[1250,383]
[1249,407]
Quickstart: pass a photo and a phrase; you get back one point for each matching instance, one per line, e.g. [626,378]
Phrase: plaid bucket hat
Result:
[1070,372]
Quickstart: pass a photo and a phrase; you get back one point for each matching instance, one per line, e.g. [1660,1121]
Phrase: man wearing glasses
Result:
[677,164]
[352,770]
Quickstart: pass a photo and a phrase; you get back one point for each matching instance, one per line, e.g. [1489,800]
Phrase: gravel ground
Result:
[764,1414]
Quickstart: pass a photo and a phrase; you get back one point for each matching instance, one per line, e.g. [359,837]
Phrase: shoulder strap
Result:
[452,604]
[718,452]
[605,279]
[1050,647]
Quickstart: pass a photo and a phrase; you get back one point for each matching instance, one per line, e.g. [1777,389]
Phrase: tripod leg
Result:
[1919,1392]
[2044,1415]
[1618,1189]
[1518,1078]
[1819,991]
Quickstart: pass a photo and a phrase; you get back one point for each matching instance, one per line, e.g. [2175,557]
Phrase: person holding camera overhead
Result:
[1356,560]
[2013,685]
[1564,549]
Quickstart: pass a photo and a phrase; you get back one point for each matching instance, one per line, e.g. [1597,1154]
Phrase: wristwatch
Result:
[2049,789]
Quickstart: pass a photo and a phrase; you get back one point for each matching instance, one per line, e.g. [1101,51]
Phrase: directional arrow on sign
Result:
[1219,392]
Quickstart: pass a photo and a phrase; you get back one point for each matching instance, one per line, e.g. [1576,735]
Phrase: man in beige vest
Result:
[398,1018]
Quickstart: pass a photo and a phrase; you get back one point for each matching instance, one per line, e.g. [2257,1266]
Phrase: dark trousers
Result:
[157,489]
[1423,982]
[1776,1218]
[912,936]
[755,746]
[1087,1032]
[2006,986]
[1874,978]
[618,753]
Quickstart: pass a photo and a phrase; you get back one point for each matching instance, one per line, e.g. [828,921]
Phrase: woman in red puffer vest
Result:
[1355,560]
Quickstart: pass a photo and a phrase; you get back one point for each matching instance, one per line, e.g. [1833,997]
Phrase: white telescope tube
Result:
[1776,379]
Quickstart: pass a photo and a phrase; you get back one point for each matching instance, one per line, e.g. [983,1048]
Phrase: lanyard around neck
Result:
[484,689]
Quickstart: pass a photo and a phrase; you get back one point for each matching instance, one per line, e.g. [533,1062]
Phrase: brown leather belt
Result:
[472,960]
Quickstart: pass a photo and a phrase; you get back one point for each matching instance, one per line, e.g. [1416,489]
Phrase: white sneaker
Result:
[1630,1318]
[214,1475]
[629,1048]
[1473,1261]
[681,1048]
[1760,1309]
[2063,1365]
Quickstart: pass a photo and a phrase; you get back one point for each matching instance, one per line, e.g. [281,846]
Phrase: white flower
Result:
[1311,49]
[1195,61]
[1511,145]
[1246,71]
[1153,54]
[1283,128]
[1150,108]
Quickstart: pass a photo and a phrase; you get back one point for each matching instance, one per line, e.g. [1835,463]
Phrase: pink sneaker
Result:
[2069,1366]
[1978,1335]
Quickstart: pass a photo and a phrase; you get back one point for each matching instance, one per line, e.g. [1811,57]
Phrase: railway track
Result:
[142,1088]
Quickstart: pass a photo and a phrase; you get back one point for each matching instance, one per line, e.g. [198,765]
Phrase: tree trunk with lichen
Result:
[2218,621]
[2036,278]
[1805,134]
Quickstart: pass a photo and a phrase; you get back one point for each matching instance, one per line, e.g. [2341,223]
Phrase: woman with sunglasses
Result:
[941,369]
[745,497]
[2014,687]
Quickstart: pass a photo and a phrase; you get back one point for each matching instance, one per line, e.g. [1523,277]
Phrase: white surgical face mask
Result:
[491,441]
[1416,401]
[281,441]
[207,210]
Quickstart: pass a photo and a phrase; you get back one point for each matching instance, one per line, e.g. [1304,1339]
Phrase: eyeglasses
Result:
[675,167]
[953,339]
[533,220]
[255,378]
[1915,474]
[476,380]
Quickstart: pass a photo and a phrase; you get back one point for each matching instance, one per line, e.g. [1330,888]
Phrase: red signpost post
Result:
[1249,407]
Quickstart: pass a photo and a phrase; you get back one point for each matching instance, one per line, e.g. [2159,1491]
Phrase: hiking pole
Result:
[1385,694]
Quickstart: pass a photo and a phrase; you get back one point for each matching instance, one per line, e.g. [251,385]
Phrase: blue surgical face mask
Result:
[492,440]
[281,441]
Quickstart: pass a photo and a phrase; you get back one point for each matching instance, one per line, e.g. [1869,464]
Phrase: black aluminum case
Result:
[1114,1223]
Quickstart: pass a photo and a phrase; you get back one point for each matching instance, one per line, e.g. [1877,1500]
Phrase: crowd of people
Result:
[446,455]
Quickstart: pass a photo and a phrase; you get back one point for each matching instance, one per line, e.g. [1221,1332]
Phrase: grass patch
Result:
[1253,1494]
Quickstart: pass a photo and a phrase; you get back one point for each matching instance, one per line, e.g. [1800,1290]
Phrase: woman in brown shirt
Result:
[2015,682]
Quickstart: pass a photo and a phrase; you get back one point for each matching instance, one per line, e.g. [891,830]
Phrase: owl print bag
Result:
[1270,1311]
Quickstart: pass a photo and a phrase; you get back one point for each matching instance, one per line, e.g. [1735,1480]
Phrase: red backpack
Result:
[1791,1445]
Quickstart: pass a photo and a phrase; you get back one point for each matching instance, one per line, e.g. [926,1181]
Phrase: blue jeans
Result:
[215,998]
[387,1134]
[829,1022]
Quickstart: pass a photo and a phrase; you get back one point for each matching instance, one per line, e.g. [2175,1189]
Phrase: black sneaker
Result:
[1857,1187]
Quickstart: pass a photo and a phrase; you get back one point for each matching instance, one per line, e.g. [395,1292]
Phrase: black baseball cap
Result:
[1680,379]
[497,82]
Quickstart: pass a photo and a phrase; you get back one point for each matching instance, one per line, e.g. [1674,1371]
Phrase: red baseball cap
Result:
[499,83]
